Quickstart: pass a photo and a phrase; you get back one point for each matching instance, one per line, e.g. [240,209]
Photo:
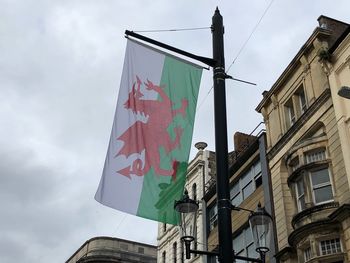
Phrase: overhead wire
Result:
[241,49]
[251,34]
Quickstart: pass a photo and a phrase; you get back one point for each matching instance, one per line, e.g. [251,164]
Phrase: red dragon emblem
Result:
[149,135]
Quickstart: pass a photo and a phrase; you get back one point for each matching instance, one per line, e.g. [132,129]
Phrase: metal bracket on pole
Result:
[208,61]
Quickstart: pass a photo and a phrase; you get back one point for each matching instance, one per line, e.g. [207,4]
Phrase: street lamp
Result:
[344,92]
[260,224]
[188,211]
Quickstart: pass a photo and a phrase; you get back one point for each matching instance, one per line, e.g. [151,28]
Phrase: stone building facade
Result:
[308,140]
[170,247]
[116,250]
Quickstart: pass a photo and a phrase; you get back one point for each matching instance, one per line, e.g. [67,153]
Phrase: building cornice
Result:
[312,210]
[318,32]
[297,235]
[342,213]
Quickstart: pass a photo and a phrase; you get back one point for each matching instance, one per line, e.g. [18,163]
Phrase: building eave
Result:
[317,33]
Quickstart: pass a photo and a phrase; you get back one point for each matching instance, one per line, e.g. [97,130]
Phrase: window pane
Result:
[315,156]
[237,200]
[291,114]
[307,254]
[248,190]
[252,252]
[234,190]
[302,100]
[246,178]
[300,187]
[331,246]
[238,243]
[213,216]
[301,203]
[257,168]
[320,177]
[323,194]
[241,253]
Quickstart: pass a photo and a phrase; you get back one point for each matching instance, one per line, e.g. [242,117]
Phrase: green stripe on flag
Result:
[181,81]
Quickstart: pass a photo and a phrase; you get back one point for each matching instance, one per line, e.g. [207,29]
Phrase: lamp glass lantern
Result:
[261,226]
[188,211]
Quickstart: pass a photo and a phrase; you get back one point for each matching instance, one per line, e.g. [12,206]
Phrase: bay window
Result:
[311,178]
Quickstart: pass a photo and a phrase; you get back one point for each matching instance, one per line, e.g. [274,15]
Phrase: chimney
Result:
[242,141]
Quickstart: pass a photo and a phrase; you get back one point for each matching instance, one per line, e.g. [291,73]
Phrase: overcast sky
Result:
[60,68]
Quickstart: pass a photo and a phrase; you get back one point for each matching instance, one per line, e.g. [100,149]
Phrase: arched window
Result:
[194,192]
[175,252]
[164,257]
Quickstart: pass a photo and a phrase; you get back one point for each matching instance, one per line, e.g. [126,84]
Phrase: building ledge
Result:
[300,233]
[338,257]
[309,211]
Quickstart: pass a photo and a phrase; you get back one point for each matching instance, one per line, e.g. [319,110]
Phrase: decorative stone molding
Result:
[297,235]
[265,115]
[274,101]
[201,146]
[306,64]
[307,212]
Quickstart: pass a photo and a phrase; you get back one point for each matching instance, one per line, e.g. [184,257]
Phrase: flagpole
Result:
[221,149]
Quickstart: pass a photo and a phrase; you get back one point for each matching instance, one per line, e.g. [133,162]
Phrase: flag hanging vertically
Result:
[147,157]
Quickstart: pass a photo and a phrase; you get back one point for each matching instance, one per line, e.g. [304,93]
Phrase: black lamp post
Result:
[260,224]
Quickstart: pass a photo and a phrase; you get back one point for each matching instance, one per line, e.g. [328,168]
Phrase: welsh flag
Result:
[146,164]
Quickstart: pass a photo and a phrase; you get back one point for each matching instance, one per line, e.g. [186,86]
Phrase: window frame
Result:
[246,179]
[307,252]
[194,191]
[300,196]
[321,185]
[316,155]
[302,99]
[332,252]
[246,244]
[174,252]
[213,219]
[290,112]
